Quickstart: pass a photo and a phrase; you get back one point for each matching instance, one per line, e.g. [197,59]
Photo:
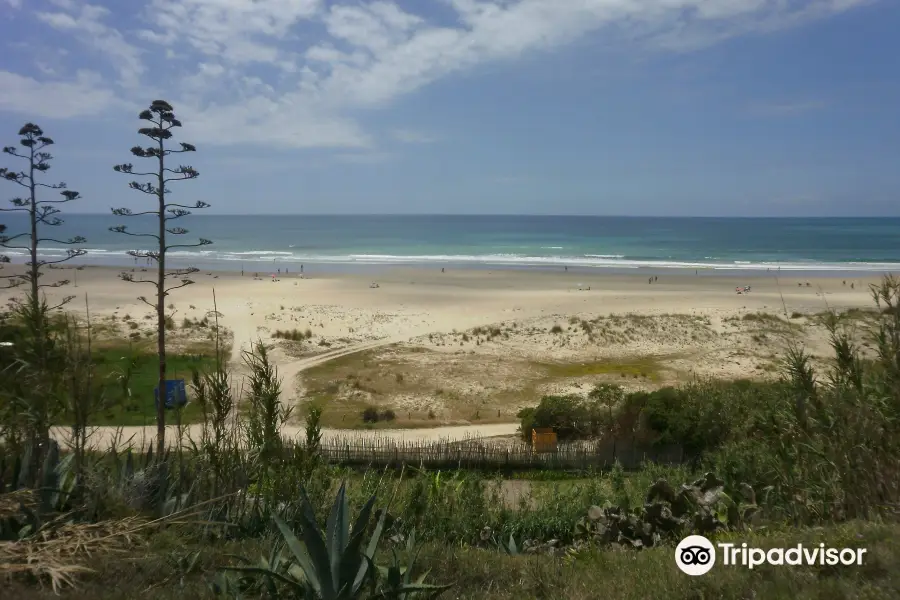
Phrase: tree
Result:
[3,258]
[162,119]
[40,212]
[32,395]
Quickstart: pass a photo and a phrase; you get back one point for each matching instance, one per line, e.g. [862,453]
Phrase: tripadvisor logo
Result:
[696,555]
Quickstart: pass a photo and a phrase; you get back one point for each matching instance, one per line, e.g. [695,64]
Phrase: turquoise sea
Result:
[618,243]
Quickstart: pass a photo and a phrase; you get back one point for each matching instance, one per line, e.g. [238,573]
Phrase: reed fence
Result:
[485,454]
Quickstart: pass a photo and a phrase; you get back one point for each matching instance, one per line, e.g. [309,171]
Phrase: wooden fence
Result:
[490,455]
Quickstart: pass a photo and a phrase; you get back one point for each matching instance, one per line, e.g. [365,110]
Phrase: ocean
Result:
[267,242]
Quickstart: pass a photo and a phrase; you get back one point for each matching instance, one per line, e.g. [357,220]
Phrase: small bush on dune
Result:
[370,415]
[293,335]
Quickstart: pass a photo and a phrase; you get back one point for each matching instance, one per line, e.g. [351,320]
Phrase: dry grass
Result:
[112,332]
[427,387]
[56,553]
[487,374]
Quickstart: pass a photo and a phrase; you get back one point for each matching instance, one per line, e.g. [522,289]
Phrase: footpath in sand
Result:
[145,437]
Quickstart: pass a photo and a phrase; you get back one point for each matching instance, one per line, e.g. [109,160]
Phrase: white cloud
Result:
[243,31]
[86,23]
[55,99]
[297,72]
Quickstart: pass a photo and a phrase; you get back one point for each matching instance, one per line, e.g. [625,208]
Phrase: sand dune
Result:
[435,316]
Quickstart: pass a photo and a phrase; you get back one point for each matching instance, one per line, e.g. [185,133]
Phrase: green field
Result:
[112,362]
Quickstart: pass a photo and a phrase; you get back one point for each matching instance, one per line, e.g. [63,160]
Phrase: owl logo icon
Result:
[695,555]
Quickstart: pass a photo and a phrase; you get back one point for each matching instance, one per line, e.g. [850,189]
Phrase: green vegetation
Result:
[294,335]
[127,377]
[645,368]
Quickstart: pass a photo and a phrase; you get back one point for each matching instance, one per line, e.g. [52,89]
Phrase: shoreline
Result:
[78,272]
[327,268]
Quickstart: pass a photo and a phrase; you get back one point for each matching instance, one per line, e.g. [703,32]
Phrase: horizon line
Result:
[605,216]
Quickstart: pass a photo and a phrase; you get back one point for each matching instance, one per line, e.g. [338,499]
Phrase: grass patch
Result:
[643,368]
[848,316]
[162,567]
[111,360]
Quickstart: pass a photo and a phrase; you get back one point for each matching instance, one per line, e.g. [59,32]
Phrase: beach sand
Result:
[471,347]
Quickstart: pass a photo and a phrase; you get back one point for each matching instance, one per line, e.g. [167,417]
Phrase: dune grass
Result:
[649,368]
[468,393]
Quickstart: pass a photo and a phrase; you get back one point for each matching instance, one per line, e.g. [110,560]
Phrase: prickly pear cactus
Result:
[700,507]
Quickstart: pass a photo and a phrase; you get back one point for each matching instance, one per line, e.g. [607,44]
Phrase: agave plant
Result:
[333,564]
[399,584]
[510,547]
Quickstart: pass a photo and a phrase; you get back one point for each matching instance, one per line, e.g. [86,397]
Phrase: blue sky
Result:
[625,107]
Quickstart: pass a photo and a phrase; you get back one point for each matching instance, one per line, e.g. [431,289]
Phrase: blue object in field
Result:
[175,393]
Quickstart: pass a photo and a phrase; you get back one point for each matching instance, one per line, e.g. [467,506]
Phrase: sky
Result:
[586,107]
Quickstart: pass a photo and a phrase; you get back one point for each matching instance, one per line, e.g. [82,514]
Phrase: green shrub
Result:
[370,415]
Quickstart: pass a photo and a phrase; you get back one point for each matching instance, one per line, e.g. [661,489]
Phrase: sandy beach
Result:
[458,353]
